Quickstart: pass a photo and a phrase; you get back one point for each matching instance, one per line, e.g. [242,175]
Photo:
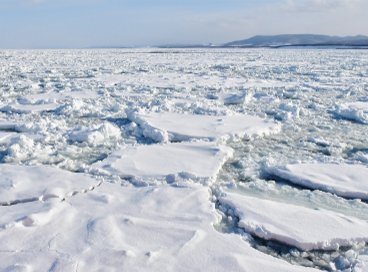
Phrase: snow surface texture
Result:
[29,183]
[304,228]
[342,179]
[162,127]
[200,161]
[78,113]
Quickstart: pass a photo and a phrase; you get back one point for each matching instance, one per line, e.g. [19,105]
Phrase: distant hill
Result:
[298,40]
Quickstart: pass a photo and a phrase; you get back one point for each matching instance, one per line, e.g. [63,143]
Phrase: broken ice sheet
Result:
[347,180]
[305,228]
[158,228]
[199,161]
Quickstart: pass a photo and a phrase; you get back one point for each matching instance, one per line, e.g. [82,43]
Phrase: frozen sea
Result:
[184,160]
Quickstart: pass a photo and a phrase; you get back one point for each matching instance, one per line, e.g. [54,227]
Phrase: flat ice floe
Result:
[21,108]
[21,183]
[357,111]
[51,96]
[347,180]
[158,228]
[304,228]
[5,137]
[166,126]
[196,160]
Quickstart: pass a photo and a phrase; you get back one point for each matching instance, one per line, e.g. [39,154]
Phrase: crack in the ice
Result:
[326,260]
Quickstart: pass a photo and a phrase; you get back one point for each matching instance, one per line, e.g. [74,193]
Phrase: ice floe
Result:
[162,127]
[357,111]
[21,183]
[129,228]
[33,108]
[347,180]
[304,228]
[199,161]
[5,137]
[218,96]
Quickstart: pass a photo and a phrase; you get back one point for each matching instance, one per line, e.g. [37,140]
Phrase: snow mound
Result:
[159,228]
[162,127]
[21,183]
[304,228]
[199,161]
[347,180]
[357,111]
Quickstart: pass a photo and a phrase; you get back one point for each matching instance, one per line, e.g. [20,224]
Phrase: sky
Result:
[94,23]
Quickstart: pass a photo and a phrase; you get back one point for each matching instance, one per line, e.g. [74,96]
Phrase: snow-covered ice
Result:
[131,229]
[162,127]
[304,228]
[21,183]
[347,180]
[362,265]
[20,108]
[200,161]
[357,111]
[122,158]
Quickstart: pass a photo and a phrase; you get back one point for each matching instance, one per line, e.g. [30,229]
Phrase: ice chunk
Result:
[159,228]
[10,125]
[182,127]
[232,98]
[197,160]
[95,135]
[21,183]
[357,111]
[347,180]
[304,228]
[319,141]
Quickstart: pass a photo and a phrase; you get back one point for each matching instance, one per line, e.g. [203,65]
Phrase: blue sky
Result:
[87,23]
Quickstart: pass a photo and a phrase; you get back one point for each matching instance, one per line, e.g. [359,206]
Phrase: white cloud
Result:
[318,5]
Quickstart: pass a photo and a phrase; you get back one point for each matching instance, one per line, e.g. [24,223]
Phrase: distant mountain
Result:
[299,39]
